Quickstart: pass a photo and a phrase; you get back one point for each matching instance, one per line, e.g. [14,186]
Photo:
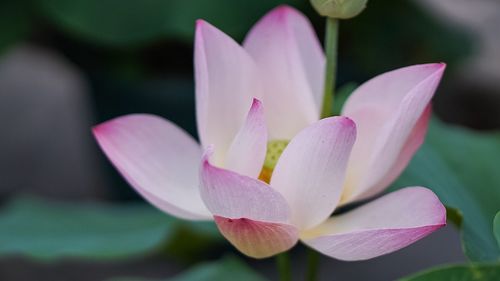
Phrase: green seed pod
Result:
[339,9]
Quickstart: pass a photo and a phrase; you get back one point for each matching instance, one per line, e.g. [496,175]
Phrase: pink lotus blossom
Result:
[267,170]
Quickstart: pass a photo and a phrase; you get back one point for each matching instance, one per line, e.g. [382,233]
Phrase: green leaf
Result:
[193,242]
[461,167]
[130,23]
[228,268]
[15,22]
[496,227]
[455,216]
[420,36]
[470,272]
[50,230]
[112,22]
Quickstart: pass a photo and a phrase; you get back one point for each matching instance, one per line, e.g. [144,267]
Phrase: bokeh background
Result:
[66,65]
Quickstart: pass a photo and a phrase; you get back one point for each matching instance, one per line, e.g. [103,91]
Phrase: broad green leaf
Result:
[112,22]
[461,167]
[228,268]
[455,216]
[496,227]
[421,36]
[470,272]
[49,230]
[128,23]
[15,22]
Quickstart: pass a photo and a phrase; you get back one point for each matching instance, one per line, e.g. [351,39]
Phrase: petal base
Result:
[257,239]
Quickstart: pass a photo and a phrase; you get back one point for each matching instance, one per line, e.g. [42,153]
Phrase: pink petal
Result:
[248,212]
[413,143]
[258,239]
[158,159]
[248,149]
[226,83]
[388,110]
[292,64]
[310,172]
[380,227]
[230,195]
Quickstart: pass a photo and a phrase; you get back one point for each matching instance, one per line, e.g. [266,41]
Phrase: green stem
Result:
[312,265]
[284,266]
[331,39]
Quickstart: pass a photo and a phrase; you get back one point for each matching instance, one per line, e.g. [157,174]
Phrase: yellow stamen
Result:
[265,175]
[274,150]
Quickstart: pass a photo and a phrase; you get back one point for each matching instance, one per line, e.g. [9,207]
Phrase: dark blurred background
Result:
[66,65]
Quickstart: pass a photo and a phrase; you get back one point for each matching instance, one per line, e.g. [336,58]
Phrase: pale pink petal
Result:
[231,195]
[413,143]
[310,172]
[248,212]
[388,110]
[158,159]
[256,238]
[380,227]
[226,83]
[292,65]
[248,149]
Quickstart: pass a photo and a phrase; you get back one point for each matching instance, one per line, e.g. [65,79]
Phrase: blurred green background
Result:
[66,65]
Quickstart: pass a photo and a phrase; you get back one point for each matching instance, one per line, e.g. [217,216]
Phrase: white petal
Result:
[226,83]
[158,159]
[292,65]
[248,149]
[231,195]
[380,227]
[248,212]
[310,172]
[388,110]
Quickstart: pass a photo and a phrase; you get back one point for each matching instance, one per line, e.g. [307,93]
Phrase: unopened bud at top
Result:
[339,9]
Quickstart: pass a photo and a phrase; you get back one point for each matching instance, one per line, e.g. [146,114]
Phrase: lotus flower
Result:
[267,170]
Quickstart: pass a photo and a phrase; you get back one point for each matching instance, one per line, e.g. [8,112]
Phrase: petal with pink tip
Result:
[388,110]
[226,83]
[248,150]
[248,212]
[292,67]
[385,225]
[158,159]
[256,238]
[413,143]
[231,195]
[310,172]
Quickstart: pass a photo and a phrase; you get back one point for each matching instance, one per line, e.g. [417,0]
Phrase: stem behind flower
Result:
[312,265]
[331,39]
[284,266]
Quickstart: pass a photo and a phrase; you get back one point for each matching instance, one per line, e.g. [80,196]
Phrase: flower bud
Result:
[339,9]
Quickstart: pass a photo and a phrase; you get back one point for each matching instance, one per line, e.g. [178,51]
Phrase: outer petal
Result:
[158,159]
[248,149]
[388,110]
[226,83]
[248,212]
[256,238]
[292,65]
[380,227]
[310,172]
[413,143]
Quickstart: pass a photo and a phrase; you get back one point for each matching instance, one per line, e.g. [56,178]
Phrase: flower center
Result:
[274,150]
